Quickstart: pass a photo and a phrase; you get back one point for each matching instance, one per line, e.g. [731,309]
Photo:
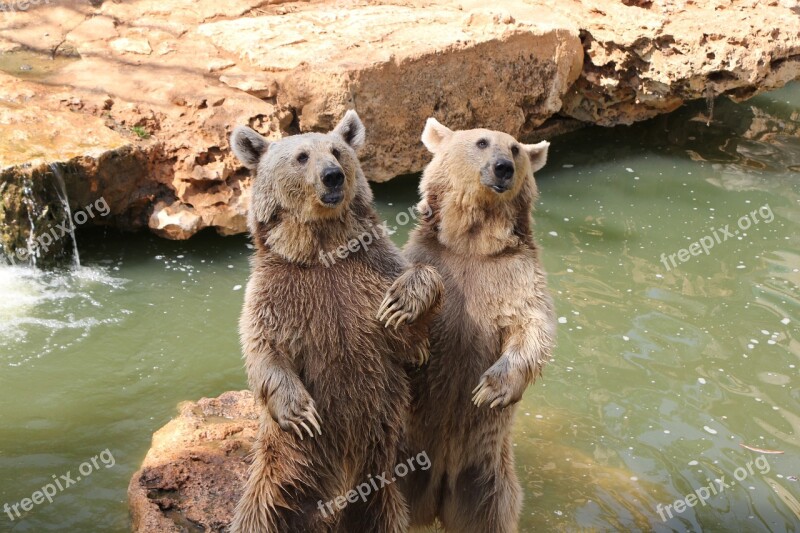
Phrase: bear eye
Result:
[336,153]
[482,143]
[302,157]
[515,150]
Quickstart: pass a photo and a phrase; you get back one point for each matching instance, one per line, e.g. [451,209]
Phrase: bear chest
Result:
[328,314]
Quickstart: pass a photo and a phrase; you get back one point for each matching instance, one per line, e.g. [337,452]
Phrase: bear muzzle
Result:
[332,179]
[501,176]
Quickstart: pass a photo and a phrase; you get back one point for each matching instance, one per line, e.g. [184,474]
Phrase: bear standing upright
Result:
[328,373]
[495,331]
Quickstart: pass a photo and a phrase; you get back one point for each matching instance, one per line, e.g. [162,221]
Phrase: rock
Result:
[259,84]
[125,45]
[644,62]
[192,476]
[44,27]
[99,159]
[28,136]
[174,221]
[94,29]
[172,78]
[376,59]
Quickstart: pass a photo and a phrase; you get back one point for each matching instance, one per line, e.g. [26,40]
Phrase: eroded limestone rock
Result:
[171,78]
[192,476]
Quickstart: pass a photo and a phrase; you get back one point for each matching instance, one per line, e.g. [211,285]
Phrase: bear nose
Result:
[332,177]
[504,169]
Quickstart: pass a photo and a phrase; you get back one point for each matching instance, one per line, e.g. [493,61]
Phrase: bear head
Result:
[305,186]
[479,187]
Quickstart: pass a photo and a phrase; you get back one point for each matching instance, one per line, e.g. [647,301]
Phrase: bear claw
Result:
[399,322]
[397,309]
[424,353]
[485,393]
[385,304]
[393,310]
[308,417]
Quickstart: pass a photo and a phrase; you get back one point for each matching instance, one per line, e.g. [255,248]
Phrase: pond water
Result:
[28,64]
[668,360]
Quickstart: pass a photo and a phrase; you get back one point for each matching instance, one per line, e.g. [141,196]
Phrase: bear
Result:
[327,344]
[493,335]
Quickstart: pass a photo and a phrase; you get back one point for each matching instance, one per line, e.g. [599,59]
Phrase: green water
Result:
[28,64]
[659,375]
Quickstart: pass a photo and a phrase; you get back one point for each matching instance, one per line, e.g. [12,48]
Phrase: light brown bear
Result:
[324,367]
[494,333]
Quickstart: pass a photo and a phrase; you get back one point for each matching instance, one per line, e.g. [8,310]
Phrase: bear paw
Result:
[498,389]
[294,413]
[398,307]
[415,292]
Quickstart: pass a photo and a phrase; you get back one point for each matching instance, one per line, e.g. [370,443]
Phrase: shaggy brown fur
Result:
[328,372]
[494,333]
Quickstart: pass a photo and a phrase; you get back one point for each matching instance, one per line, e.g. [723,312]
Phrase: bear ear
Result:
[352,130]
[248,146]
[434,134]
[537,154]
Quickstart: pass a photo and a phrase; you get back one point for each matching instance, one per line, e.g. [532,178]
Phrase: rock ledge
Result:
[191,478]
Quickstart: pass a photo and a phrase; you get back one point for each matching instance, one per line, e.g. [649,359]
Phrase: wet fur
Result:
[313,346]
[494,334]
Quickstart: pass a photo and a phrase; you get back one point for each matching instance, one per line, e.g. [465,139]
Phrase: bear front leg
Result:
[273,380]
[411,301]
[527,349]
[417,291]
[289,403]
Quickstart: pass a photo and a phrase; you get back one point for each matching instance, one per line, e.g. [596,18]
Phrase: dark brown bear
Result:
[329,374]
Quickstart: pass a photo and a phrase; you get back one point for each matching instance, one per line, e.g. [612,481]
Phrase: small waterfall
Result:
[710,104]
[32,212]
[33,251]
[40,218]
[62,194]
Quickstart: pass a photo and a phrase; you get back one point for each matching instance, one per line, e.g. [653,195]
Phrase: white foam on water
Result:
[44,310]
[20,291]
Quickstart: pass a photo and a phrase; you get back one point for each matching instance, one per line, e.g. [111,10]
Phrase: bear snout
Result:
[503,175]
[332,178]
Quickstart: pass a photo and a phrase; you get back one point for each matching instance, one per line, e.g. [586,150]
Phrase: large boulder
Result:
[398,65]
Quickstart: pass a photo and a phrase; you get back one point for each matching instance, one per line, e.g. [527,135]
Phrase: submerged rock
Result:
[171,78]
[195,470]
